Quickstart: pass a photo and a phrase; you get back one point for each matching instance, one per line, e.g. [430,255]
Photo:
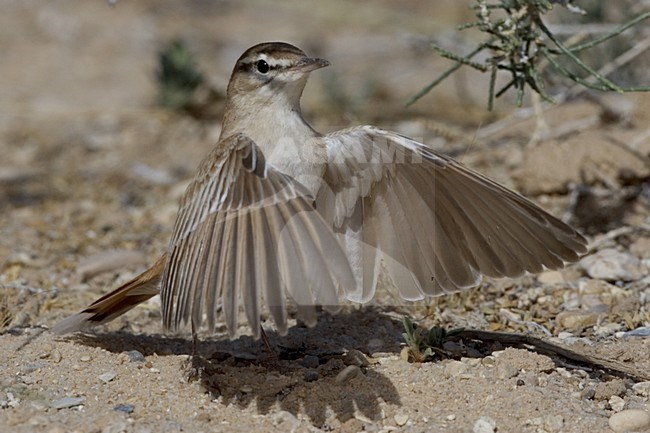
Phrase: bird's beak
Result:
[308,64]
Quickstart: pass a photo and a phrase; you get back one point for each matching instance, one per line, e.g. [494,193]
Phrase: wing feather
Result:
[245,231]
[439,225]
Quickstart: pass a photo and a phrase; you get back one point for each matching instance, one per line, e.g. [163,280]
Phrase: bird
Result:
[281,214]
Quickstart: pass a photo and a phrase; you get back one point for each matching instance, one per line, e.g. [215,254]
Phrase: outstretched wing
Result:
[246,231]
[437,225]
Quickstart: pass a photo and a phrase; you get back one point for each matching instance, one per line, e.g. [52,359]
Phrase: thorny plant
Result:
[423,343]
[519,42]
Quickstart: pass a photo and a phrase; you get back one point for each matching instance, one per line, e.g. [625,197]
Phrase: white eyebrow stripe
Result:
[274,63]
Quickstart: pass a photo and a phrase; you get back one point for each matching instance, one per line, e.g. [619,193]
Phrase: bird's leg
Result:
[196,367]
[267,343]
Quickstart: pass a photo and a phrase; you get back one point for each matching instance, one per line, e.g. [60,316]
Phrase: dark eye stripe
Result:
[252,66]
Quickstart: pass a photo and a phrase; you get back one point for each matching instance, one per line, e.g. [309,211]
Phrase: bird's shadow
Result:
[243,371]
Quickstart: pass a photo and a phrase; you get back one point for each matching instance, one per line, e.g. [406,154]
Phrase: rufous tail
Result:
[117,302]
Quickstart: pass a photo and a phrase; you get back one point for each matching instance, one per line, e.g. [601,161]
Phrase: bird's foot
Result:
[195,368]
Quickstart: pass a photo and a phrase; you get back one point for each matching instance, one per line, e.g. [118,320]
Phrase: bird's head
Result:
[272,71]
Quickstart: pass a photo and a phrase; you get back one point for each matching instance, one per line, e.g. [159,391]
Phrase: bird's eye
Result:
[262,67]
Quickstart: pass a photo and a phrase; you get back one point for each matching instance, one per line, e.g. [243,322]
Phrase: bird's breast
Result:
[303,159]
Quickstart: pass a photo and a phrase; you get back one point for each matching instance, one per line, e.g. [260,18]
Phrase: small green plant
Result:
[519,41]
[422,343]
[177,76]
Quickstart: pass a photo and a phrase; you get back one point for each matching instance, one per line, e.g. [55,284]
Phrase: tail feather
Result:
[117,302]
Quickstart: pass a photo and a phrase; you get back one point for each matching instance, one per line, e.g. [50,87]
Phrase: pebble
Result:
[484,424]
[355,357]
[607,329]
[576,319]
[630,420]
[588,393]
[108,376]
[56,356]
[311,376]
[135,356]
[310,361]
[67,402]
[642,388]
[643,331]
[605,390]
[126,408]
[85,358]
[617,403]
[347,374]
[246,389]
[551,277]
[455,368]
[401,418]
[612,265]
[404,354]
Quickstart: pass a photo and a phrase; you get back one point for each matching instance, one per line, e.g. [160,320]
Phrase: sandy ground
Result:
[90,166]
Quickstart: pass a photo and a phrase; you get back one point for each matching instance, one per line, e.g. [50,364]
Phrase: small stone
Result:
[126,408]
[484,424]
[455,368]
[488,361]
[85,358]
[612,265]
[564,335]
[311,376]
[347,374]
[246,389]
[310,361]
[642,388]
[66,402]
[588,393]
[616,403]
[607,329]
[404,354]
[451,417]
[135,356]
[108,376]
[401,418]
[576,319]
[630,420]
[643,331]
[56,356]
[607,389]
[355,357]
[551,277]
